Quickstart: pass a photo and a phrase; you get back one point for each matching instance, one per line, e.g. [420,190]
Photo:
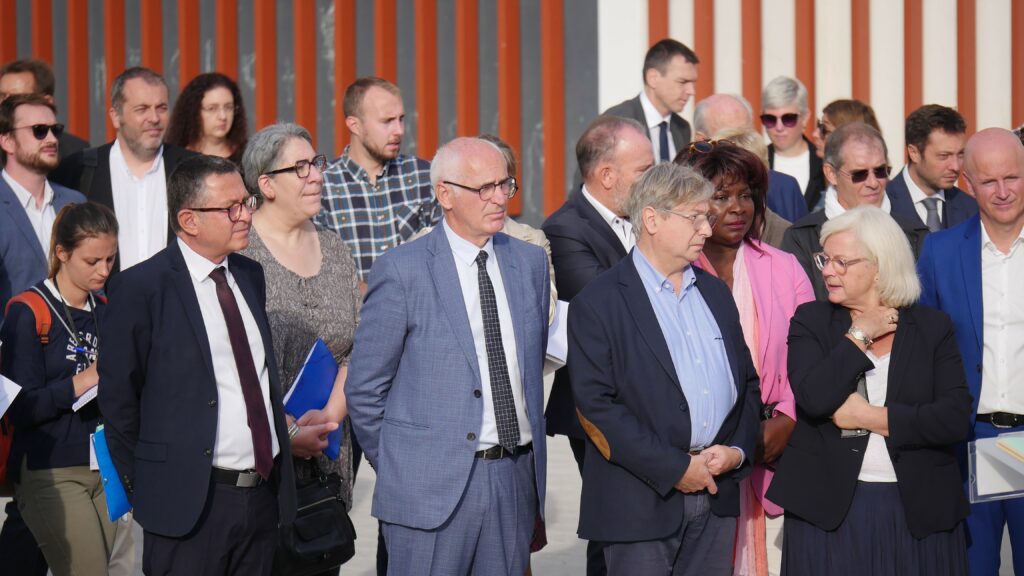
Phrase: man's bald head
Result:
[721,112]
[986,142]
[994,173]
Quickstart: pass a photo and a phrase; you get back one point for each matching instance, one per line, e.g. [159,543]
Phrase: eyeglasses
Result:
[508,187]
[234,211]
[301,167]
[706,146]
[858,176]
[41,130]
[229,109]
[788,120]
[698,220]
[838,264]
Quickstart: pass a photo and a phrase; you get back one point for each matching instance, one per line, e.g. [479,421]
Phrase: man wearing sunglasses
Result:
[32,76]
[857,168]
[785,116]
[130,174]
[670,75]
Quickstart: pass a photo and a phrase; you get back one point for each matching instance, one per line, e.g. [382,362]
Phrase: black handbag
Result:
[322,537]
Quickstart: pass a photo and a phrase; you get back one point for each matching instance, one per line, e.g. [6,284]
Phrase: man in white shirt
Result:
[926,189]
[130,174]
[670,77]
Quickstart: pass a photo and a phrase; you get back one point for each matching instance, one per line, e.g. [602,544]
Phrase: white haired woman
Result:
[869,479]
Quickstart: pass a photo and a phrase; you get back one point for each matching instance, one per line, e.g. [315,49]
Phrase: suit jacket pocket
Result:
[405,424]
[151,451]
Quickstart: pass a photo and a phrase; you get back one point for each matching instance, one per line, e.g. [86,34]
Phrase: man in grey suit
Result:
[445,386]
[670,74]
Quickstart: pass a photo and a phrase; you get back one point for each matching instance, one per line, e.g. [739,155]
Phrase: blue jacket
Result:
[958,207]
[784,196]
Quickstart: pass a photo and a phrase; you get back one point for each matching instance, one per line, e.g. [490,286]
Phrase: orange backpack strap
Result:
[40,310]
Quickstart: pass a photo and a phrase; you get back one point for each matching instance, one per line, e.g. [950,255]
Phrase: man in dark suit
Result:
[925,191]
[31,76]
[857,168]
[666,391]
[589,234]
[670,74]
[190,393]
[130,174]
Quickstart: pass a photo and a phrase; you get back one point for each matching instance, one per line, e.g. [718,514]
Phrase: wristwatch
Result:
[859,335]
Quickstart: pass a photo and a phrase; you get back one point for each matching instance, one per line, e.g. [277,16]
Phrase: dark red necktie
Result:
[255,409]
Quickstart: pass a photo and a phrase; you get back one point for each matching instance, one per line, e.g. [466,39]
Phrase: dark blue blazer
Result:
[636,416]
[784,196]
[958,207]
[22,262]
[158,395]
[582,247]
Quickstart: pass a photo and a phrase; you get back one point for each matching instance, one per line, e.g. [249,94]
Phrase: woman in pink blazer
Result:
[767,284]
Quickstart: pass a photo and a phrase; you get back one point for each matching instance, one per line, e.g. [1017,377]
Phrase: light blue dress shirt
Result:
[698,351]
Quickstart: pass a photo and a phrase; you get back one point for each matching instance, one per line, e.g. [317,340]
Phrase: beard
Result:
[35,161]
[379,153]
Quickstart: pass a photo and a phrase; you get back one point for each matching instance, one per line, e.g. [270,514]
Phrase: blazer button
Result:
[207,452]
[682,406]
[979,368]
[476,393]
[212,403]
[470,436]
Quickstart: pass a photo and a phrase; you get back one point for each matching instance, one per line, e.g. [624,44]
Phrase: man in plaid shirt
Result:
[374,196]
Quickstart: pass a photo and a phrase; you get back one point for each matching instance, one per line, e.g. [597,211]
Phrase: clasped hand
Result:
[314,426]
[703,467]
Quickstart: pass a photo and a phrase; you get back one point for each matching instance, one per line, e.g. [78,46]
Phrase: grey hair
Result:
[852,132]
[264,149]
[747,139]
[700,111]
[446,160]
[785,91]
[663,187]
[887,246]
[117,88]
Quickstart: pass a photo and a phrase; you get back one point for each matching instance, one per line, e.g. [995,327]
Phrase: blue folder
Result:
[117,500]
[312,389]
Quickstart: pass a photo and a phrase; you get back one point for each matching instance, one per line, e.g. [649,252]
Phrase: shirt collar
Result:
[117,159]
[988,244]
[24,196]
[651,115]
[656,280]
[198,266]
[916,194]
[464,250]
[607,215]
[833,208]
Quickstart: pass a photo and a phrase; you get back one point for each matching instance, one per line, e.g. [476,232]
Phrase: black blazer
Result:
[959,206]
[583,246]
[68,144]
[929,412]
[88,172]
[802,240]
[627,389]
[632,108]
[158,395]
[816,181]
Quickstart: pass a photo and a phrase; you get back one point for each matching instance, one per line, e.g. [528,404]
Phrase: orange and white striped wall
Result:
[535,72]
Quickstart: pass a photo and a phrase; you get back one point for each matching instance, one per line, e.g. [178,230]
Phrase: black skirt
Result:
[873,540]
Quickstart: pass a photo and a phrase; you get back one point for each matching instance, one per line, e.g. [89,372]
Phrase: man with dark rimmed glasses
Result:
[857,168]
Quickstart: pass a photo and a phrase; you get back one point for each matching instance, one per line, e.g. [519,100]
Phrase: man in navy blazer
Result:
[973,272]
[445,386]
[189,388]
[666,391]
[925,191]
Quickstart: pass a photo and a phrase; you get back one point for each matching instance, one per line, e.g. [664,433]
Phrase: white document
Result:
[88,396]
[995,473]
[8,391]
[558,343]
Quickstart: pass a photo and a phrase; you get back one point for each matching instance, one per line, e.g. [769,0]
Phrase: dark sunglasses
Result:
[706,146]
[788,120]
[41,130]
[858,176]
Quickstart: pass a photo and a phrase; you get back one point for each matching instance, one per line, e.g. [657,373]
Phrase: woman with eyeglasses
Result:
[869,479]
[311,283]
[50,349]
[784,117]
[209,118]
[767,285]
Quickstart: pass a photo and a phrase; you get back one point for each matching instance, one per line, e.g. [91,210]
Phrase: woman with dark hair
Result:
[209,118]
[838,113]
[60,498]
[767,284]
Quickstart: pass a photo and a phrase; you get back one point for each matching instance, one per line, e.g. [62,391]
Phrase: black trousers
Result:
[19,553]
[236,534]
[595,550]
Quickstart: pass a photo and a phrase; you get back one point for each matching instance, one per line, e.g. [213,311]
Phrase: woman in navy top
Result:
[60,498]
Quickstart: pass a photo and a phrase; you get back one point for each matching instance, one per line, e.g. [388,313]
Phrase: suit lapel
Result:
[970,266]
[190,302]
[17,213]
[101,189]
[598,224]
[902,352]
[511,277]
[446,283]
[647,325]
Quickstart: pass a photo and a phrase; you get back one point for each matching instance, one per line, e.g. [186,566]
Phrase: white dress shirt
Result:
[465,253]
[877,465]
[1002,355]
[917,196]
[141,208]
[798,167]
[622,228]
[653,121]
[40,218]
[233,447]
[833,208]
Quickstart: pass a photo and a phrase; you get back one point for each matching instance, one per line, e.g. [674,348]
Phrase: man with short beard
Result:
[374,196]
[130,174]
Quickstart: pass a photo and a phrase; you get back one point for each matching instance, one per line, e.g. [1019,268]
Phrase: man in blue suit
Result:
[974,272]
[445,390]
[925,191]
[189,388]
[666,391]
